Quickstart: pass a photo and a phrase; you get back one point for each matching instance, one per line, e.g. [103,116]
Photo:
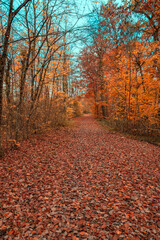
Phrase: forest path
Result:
[80,183]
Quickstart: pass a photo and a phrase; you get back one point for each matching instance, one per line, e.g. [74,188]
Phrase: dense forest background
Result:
[44,82]
[122,66]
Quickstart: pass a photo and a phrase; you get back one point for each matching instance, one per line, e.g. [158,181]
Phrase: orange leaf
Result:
[75,238]
[84,233]
[10,232]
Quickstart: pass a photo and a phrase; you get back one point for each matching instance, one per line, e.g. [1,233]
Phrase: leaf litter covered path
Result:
[81,183]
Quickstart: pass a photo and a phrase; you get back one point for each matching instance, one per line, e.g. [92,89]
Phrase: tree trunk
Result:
[3,57]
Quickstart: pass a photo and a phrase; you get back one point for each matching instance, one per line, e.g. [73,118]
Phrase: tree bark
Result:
[3,56]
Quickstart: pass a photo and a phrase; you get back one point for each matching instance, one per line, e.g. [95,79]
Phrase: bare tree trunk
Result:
[3,57]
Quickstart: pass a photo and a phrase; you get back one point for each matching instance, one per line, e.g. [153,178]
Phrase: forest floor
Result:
[82,182]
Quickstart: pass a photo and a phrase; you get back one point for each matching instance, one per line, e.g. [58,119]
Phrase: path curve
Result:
[81,183]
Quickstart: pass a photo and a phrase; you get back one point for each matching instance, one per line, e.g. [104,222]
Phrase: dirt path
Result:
[81,183]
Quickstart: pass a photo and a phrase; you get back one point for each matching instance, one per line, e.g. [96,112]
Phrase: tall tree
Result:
[3,55]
